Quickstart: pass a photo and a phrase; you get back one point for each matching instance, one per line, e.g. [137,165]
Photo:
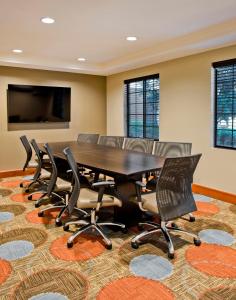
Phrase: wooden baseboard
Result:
[13,173]
[216,194]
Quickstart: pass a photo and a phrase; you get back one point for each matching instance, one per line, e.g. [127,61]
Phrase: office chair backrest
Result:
[54,173]
[174,187]
[91,138]
[137,144]
[38,153]
[76,186]
[28,150]
[172,149]
[112,141]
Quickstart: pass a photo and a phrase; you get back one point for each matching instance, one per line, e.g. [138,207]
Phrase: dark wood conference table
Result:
[124,166]
[109,160]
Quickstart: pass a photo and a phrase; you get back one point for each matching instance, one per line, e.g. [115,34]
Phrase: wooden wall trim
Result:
[217,194]
[13,173]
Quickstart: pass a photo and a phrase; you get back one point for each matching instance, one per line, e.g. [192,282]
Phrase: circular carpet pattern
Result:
[68,284]
[12,208]
[85,247]
[151,267]
[215,236]
[214,260]
[15,250]
[206,209]
[5,192]
[219,293]
[36,236]
[23,197]
[49,296]
[13,184]
[6,270]
[6,216]
[136,288]
[202,198]
[48,218]
[202,224]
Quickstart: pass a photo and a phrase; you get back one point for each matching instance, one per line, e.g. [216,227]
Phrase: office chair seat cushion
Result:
[62,185]
[32,164]
[150,203]
[88,199]
[45,174]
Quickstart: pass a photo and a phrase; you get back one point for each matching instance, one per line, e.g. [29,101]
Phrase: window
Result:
[142,96]
[225,104]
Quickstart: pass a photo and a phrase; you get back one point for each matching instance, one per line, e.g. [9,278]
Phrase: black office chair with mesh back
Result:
[58,188]
[172,149]
[91,138]
[139,145]
[111,141]
[89,199]
[173,199]
[29,163]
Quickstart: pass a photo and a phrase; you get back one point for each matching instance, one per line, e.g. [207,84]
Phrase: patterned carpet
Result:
[36,264]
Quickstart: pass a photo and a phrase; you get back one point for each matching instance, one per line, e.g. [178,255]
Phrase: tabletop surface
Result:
[108,159]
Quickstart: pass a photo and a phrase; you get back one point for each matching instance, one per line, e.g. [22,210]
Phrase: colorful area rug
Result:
[35,263]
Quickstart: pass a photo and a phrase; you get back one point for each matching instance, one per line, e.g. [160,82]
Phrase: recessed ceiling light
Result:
[17,50]
[131,38]
[47,20]
[81,59]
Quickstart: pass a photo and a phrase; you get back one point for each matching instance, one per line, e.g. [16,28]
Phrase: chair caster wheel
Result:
[69,244]
[58,222]
[140,227]
[109,247]
[36,205]
[192,219]
[134,245]
[66,227]
[171,255]
[197,242]
[30,197]
[21,185]
[124,230]
[27,190]
[40,214]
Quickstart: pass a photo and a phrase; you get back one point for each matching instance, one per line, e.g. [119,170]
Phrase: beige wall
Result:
[88,110]
[185,112]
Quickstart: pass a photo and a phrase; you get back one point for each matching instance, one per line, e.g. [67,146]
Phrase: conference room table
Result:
[124,166]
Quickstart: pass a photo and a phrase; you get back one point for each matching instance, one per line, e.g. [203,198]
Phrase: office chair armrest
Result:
[138,186]
[103,183]
[141,184]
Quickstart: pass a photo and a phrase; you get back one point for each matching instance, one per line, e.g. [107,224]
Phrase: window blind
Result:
[142,98]
[225,104]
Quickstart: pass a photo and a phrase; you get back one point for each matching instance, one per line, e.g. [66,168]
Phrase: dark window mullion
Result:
[144,108]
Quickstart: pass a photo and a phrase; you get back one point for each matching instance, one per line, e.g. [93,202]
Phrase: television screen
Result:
[33,104]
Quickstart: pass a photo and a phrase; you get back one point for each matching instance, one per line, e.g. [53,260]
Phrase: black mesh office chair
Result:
[91,138]
[173,199]
[112,141]
[139,145]
[89,199]
[28,162]
[172,149]
[58,188]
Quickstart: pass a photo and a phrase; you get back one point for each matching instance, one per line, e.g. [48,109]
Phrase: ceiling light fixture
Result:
[17,50]
[81,59]
[47,20]
[131,38]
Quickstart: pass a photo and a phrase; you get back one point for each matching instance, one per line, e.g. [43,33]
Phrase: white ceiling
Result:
[96,29]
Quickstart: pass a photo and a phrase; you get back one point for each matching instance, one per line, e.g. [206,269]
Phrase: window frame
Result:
[127,95]
[215,65]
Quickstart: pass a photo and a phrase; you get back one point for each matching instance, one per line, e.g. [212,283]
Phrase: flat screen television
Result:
[33,104]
